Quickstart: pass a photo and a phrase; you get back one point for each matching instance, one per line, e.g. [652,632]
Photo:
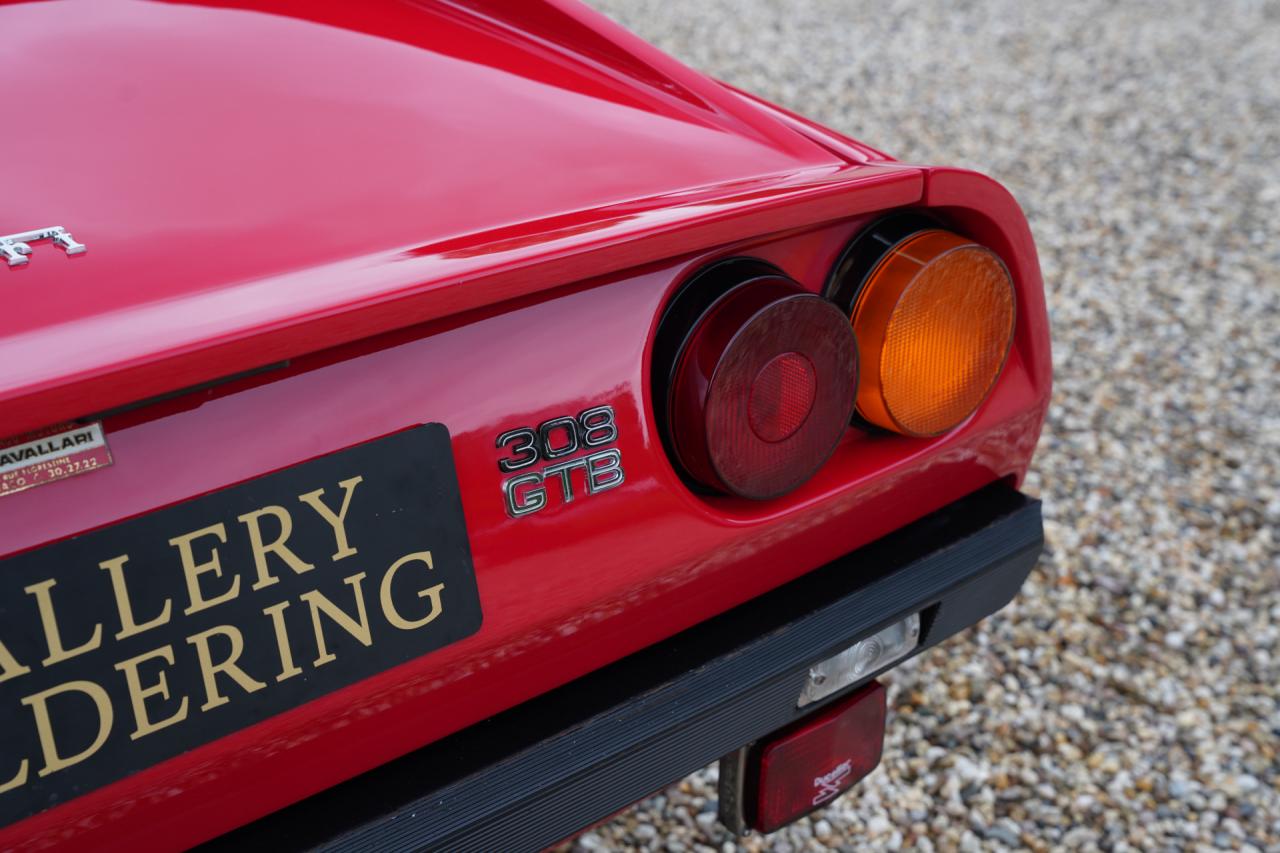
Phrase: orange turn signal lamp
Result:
[933,313]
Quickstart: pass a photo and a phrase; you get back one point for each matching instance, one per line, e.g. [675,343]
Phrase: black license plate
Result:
[126,646]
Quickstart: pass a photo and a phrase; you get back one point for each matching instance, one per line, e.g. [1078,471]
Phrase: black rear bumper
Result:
[536,774]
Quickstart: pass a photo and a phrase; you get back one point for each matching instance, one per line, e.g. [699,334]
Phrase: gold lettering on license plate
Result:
[217,650]
[279,590]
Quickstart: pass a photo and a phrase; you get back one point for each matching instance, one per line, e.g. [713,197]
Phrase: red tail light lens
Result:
[816,759]
[762,383]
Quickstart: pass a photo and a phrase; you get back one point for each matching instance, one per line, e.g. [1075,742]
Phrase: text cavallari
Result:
[242,556]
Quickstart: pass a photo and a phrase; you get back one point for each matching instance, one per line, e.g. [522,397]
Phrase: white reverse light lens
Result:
[861,659]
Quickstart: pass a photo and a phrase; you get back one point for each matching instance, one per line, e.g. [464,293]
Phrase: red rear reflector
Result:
[782,396]
[813,761]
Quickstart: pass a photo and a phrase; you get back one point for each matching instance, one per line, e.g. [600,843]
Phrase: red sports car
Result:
[441,424]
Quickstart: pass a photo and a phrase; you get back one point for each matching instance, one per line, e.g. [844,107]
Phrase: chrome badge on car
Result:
[14,248]
[561,446]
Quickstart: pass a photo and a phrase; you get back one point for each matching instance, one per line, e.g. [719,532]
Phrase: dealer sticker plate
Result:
[51,454]
[129,645]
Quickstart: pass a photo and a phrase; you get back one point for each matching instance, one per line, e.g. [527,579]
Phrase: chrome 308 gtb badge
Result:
[569,456]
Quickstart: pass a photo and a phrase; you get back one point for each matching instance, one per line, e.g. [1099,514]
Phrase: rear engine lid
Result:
[237,169]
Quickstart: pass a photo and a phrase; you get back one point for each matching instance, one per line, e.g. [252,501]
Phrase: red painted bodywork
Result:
[469,213]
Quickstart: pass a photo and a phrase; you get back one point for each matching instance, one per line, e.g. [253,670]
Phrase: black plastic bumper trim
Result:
[536,774]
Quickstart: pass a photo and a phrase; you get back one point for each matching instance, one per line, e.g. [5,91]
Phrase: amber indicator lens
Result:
[934,321]
[762,389]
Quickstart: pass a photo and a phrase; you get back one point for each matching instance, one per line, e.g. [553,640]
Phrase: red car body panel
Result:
[459,213]
[339,177]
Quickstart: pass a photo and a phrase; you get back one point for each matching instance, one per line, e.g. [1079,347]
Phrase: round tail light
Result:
[760,378]
[934,316]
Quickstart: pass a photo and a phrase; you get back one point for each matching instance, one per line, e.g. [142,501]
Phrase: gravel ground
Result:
[1129,698]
